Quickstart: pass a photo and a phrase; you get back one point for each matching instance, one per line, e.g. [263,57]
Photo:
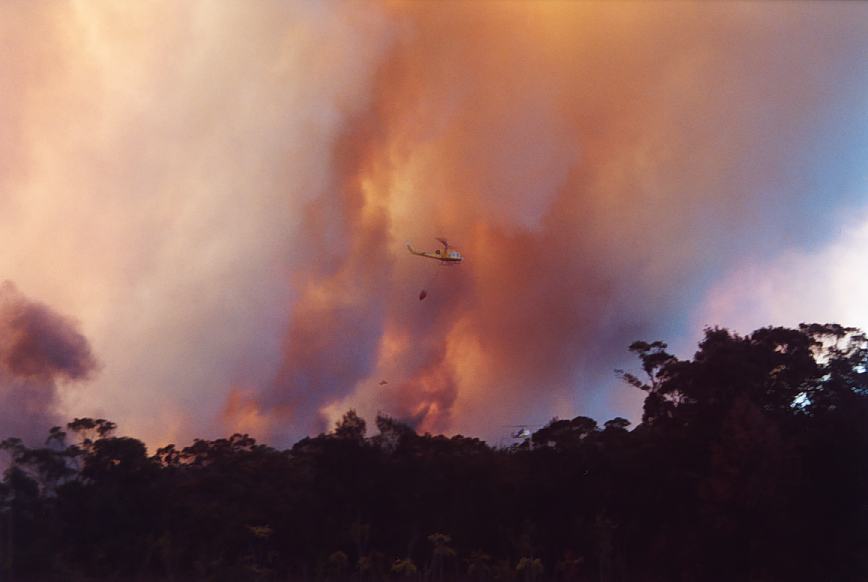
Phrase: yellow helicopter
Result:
[446,257]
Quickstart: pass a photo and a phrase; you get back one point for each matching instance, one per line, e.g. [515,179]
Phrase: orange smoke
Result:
[578,156]
[243,414]
[222,200]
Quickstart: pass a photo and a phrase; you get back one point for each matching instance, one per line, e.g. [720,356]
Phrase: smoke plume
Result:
[220,193]
[39,350]
[594,161]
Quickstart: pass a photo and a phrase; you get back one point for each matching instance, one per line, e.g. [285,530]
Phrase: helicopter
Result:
[446,257]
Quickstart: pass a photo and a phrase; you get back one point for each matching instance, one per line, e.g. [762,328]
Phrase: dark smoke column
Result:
[39,349]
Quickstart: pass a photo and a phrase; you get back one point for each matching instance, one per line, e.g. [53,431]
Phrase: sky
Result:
[204,206]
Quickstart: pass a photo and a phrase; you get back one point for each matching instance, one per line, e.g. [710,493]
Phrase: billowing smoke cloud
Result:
[220,193]
[595,163]
[39,349]
[160,159]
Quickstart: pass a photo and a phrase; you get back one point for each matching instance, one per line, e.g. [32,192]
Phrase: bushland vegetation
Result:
[750,463]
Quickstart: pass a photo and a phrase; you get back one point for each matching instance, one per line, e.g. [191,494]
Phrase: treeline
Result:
[751,463]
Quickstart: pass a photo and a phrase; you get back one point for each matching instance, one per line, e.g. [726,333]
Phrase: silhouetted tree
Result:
[351,427]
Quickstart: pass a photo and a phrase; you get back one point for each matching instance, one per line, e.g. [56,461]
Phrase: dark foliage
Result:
[751,463]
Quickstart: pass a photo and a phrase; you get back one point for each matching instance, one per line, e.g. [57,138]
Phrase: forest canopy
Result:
[750,463]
